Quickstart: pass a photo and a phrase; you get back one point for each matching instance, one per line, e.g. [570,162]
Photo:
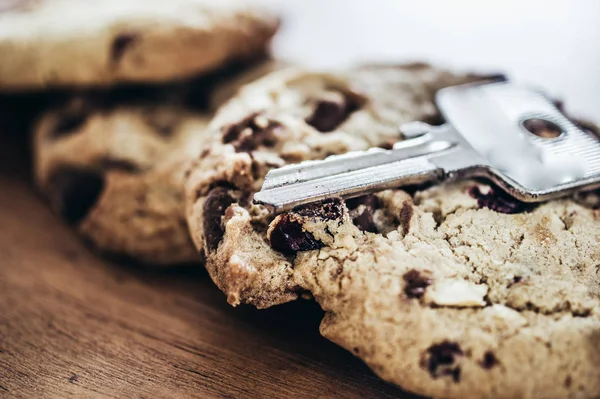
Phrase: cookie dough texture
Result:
[49,43]
[452,291]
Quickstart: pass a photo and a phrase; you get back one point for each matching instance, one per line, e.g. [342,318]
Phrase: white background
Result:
[551,44]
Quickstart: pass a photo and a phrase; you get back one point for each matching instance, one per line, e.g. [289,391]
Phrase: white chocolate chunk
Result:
[456,292]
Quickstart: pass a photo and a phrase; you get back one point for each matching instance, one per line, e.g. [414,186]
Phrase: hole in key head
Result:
[542,128]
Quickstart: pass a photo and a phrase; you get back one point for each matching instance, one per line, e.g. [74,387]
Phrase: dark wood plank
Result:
[74,324]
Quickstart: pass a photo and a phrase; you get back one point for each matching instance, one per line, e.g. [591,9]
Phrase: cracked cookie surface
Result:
[112,163]
[57,43]
[451,291]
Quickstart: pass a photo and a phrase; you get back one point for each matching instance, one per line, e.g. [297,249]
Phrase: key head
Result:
[527,145]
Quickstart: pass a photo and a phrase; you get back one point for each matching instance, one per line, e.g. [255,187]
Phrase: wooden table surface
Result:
[74,324]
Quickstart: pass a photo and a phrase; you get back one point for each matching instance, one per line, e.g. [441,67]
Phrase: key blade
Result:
[353,174]
[349,184]
[336,164]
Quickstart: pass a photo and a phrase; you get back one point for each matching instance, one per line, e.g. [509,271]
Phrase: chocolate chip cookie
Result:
[449,291]
[286,117]
[112,162]
[50,43]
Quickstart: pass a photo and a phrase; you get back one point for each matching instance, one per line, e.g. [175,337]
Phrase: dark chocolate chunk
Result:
[406,214]
[568,381]
[489,360]
[289,237]
[364,220]
[120,44]
[499,201]
[215,204]
[251,132]
[440,359]
[330,112]
[415,283]
[73,192]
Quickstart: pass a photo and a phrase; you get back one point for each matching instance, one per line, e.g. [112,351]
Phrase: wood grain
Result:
[72,324]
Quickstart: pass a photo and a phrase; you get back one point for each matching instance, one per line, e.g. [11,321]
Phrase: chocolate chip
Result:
[120,44]
[364,220]
[329,112]
[406,214]
[73,192]
[329,209]
[287,234]
[498,201]
[67,124]
[251,132]
[215,204]
[361,212]
[439,360]
[568,381]
[489,360]
[415,283]
[289,237]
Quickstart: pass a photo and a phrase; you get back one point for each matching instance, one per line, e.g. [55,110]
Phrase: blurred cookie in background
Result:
[58,43]
[112,162]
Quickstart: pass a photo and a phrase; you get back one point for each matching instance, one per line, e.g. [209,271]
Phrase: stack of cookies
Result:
[165,118]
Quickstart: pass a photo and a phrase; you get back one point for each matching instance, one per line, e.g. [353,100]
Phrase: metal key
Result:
[510,134]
